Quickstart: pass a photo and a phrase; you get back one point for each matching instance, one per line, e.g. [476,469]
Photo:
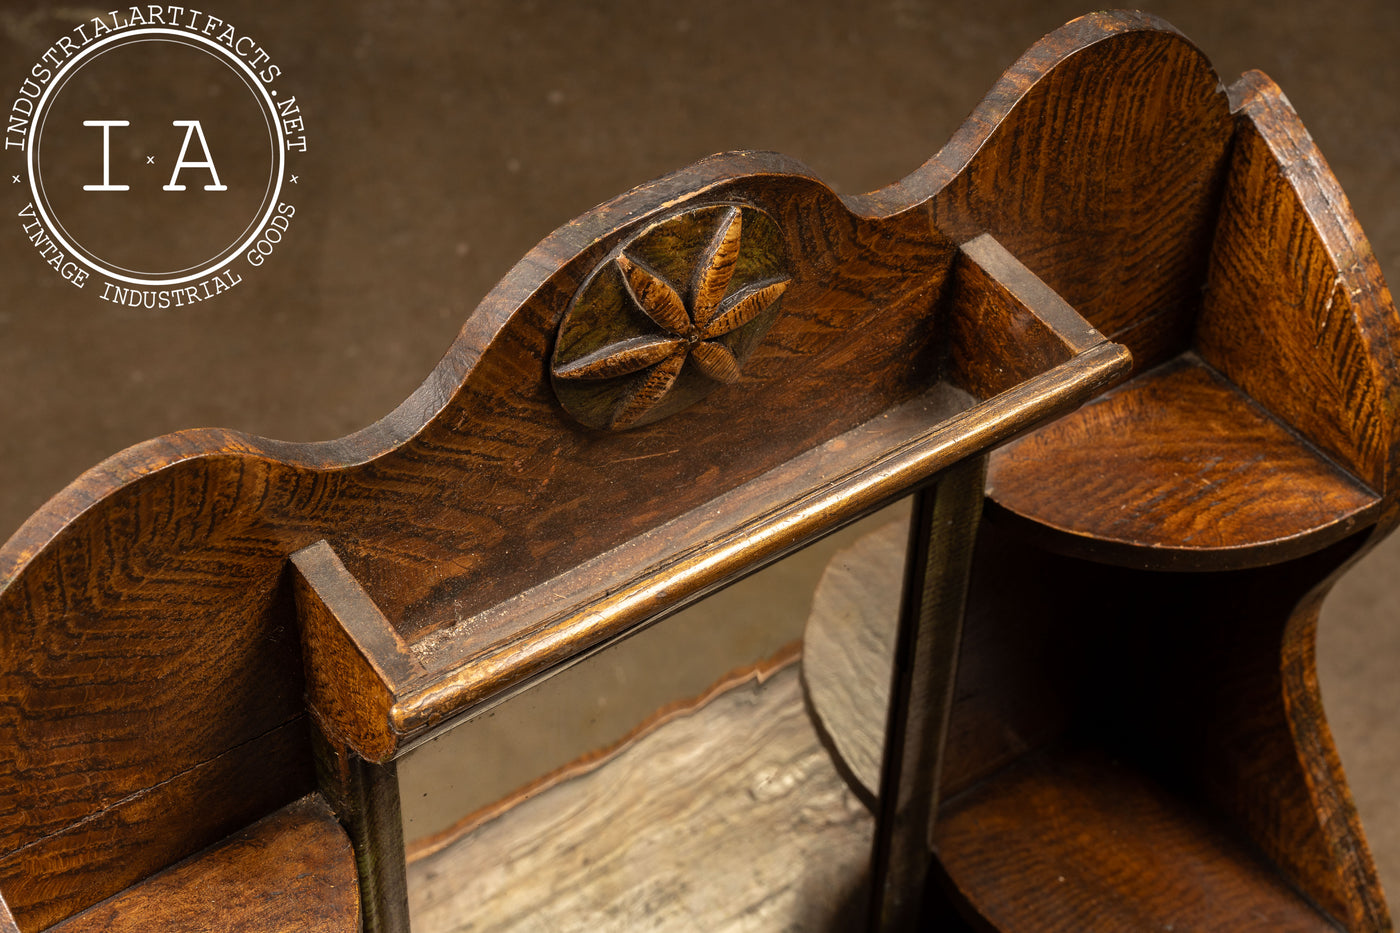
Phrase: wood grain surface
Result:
[118,845]
[1076,841]
[1201,682]
[478,487]
[1295,311]
[355,660]
[1112,203]
[293,870]
[479,658]
[1199,690]
[1005,325]
[1177,469]
[1269,446]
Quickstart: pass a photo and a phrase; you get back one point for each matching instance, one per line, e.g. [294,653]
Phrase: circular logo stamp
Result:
[157,152]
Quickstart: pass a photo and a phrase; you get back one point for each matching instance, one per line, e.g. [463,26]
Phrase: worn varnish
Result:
[166,664]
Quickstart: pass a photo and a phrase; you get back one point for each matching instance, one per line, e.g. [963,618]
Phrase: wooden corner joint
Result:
[356,664]
[1005,324]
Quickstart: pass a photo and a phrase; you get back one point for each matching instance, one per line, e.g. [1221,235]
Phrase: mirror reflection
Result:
[715,771]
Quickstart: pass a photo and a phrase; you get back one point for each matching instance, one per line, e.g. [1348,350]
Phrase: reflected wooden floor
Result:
[731,818]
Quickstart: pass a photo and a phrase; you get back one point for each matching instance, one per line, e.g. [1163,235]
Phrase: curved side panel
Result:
[1296,311]
[1298,321]
[1345,877]
[1102,175]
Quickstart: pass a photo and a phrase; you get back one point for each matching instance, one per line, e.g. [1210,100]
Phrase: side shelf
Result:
[1137,737]
[1178,469]
[292,870]
[1071,839]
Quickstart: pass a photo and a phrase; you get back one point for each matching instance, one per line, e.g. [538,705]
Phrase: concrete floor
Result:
[446,139]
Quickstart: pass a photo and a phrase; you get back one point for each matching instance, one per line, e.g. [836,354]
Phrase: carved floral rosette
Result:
[669,317]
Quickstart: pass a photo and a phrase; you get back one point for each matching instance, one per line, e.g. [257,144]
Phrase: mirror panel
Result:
[680,774]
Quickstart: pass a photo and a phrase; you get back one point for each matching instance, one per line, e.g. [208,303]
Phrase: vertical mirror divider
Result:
[942,531]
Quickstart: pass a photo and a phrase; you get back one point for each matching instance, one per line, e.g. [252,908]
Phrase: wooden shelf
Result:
[1176,470]
[1071,839]
[293,870]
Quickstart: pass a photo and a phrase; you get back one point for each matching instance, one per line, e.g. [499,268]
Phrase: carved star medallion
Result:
[669,318]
